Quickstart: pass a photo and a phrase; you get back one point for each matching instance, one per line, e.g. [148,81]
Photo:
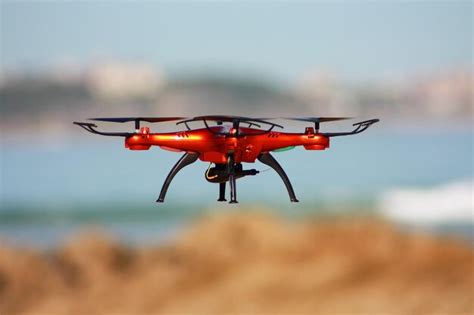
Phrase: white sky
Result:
[282,40]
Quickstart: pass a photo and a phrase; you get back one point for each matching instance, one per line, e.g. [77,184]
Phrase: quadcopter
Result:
[226,142]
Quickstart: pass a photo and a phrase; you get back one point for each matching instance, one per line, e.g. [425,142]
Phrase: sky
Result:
[282,40]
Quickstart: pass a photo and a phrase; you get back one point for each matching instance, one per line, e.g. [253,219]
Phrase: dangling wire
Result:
[267,169]
[207,173]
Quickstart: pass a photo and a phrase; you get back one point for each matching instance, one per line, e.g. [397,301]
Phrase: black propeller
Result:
[317,120]
[138,119]
[236,120]
[229,118]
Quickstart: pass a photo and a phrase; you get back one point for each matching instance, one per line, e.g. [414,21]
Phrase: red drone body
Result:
[215,146]
[226,145]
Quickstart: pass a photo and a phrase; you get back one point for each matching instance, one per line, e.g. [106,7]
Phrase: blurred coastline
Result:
[45,102]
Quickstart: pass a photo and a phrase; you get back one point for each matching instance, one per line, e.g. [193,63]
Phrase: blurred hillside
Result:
[42,102]
[246,264]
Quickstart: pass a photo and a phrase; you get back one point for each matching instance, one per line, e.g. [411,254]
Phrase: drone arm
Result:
[91,128]
[361,126]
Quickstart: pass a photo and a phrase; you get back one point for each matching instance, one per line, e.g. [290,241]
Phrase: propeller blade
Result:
[317,119]
[147,119]
[224,118]
[228,118]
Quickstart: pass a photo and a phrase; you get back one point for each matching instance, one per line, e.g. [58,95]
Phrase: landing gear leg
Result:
[185,160]
[232,180]
[222,192]
[269,160]
[233,189]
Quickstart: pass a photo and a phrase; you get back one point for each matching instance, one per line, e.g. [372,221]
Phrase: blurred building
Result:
[426,97]
[124,81]
[445,95]
[140,89]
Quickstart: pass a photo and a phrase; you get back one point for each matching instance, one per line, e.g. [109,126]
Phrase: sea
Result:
[51,190]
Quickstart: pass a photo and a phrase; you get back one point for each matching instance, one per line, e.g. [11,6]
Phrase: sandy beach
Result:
[246,264]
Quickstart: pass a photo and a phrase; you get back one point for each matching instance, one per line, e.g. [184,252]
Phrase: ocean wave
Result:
[451,202]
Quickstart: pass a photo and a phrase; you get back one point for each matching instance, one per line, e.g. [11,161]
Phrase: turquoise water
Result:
[96,181]
[88,173]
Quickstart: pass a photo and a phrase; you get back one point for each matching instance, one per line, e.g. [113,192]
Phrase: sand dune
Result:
[247,264]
